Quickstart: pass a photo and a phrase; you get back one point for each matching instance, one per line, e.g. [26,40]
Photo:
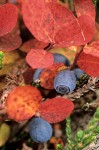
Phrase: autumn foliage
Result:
[53,25]
[23,102]
[8,20]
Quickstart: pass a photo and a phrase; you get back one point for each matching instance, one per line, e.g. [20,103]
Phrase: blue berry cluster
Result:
[58,58]
[64,83]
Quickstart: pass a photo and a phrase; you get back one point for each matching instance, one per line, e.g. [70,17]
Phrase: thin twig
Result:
[76,58]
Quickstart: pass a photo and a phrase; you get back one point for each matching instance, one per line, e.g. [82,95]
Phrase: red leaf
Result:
[87,25]
[56,109]
[8,18]
[47,75]
[53,23]
[10,42]
[23,102]
[85,7]
[38,58]
[89,59]
[33,43]
[45,19]
[77,33]
[28,75]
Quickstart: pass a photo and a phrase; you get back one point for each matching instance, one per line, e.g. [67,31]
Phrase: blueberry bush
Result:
[49,73]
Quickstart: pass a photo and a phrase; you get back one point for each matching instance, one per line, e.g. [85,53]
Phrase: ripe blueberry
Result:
[40,130]
[61,58]
[37,74]
[78,73]
[65,82]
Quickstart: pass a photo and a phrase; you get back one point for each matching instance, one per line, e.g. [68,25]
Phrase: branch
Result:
[76,58]
[94,145]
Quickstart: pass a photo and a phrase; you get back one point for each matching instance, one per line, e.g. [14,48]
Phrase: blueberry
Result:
[78,73]
[40,130]
[61,58]
[37,74]
[65,82]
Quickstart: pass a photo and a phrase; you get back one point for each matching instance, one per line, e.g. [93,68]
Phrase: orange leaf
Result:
[56,109]
[23,102]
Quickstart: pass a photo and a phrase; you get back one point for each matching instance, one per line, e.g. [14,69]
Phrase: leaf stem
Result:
[50,46]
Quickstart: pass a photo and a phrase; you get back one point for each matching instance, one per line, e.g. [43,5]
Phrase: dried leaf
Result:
[13,79]
[4,133]
[2,85]
[9,60]
[89,59]
[10,42]
[10,57]
[23,102]
[6,69]
[47,75]
[8,18]
[38,58]
[33,43]
[67,52]
[56,109]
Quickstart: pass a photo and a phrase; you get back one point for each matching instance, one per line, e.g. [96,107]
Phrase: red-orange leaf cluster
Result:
[8,18]
[52,23]
[38,58]
[47,75]
[56,109]
[23,102]
[89,59]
